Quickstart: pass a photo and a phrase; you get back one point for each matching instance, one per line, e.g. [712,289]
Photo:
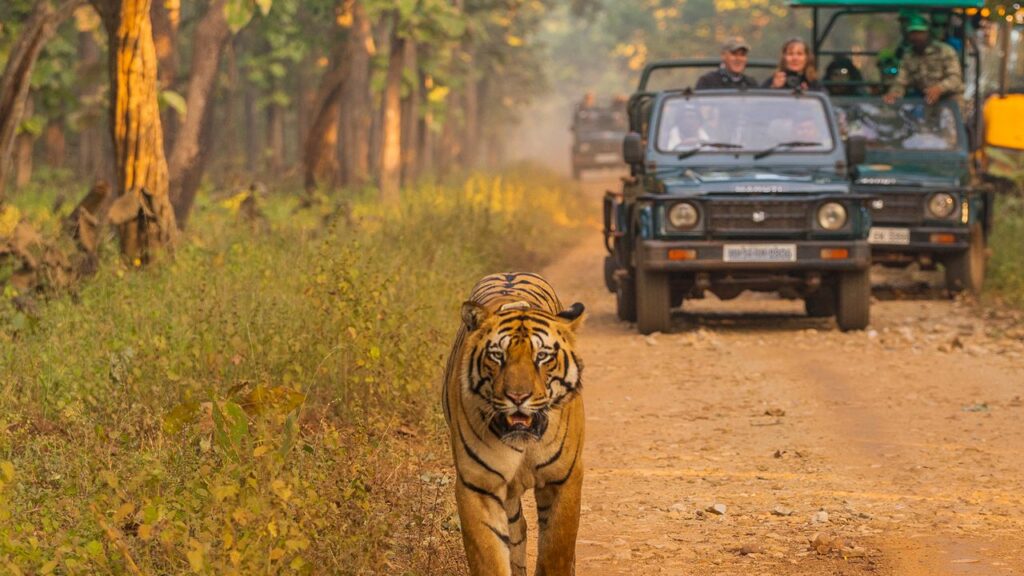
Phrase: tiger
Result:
[512,401]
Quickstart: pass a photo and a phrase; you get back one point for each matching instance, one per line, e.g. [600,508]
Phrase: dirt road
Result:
[754,440]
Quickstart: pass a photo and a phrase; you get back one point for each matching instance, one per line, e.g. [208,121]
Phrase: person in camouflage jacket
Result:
[930,66]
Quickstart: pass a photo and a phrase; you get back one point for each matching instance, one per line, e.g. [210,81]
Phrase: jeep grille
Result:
[754,216]
[898,208]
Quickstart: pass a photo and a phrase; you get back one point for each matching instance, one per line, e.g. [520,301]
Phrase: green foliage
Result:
[260,403]
[1006,267]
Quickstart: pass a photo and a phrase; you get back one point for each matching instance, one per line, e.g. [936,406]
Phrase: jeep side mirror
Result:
[856,150]
[633,149]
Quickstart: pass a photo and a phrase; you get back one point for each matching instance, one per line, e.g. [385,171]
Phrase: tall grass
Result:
[1006,267]
[262,402]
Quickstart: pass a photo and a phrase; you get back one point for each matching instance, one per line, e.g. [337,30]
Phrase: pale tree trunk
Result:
[410,119]
[320,157]
[14,83]
[356,108]
[188,158]
[391,130]
[142,212]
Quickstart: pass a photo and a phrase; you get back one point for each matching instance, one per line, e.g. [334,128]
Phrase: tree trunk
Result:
[94,148]
[23,145]
[357,109]
[252,146]
[425,142]
[391,130]
[56,143]
[320,157]
[410,119]
[142,212]
[275,138]
[166,18]
[188,158]
[471,127]
[17,74]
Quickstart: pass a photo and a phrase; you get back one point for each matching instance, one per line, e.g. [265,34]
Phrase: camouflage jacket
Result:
[938,66]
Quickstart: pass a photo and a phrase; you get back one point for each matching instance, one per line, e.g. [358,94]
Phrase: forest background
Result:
[329,177]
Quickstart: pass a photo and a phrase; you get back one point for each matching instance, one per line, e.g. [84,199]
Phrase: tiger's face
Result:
[521,365]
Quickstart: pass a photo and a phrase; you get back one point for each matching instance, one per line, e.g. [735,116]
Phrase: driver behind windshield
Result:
[930,67]
[685,130]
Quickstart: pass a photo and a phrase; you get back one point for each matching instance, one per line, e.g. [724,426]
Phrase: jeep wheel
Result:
[965,272]
[821,304]
[625,299]
[853,301]
[610,266]
[652,302]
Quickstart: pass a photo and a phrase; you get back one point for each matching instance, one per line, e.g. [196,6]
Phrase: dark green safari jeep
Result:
[733,191]
[597,137]
[933,203]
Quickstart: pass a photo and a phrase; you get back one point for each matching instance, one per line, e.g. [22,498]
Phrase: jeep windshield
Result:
[734,123]
[908,125]
[595,121]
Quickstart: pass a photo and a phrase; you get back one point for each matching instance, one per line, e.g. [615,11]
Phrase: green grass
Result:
[1006,267]
[262,402]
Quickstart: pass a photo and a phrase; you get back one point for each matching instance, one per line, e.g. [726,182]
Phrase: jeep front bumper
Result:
[710,255]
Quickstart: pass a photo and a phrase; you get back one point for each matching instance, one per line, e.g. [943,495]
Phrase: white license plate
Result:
[607,157]
[899,236]
[759,253]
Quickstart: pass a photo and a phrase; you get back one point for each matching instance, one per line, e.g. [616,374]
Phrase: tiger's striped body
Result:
[515,414]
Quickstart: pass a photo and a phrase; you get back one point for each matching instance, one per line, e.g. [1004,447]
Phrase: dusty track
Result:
[910,436]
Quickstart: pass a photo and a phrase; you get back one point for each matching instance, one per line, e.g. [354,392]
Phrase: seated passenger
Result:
[843,78]
[930,66]
[796,68]
[730,72]
[888,68]
[686,132]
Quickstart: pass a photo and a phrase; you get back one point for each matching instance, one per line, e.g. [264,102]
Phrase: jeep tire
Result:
[625,299]
[653,310]
[821,304]
[610,266]
[965,271]
[853,300]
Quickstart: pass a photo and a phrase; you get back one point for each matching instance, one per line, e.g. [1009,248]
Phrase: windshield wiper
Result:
[703,144]
[781,145]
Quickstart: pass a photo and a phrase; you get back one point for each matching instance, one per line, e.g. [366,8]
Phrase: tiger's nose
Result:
[517,397]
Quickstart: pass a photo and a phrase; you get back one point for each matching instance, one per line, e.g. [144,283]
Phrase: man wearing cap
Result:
[730,72]
[930,66]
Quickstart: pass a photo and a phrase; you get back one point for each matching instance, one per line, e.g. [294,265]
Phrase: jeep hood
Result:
[917,174]
[720,180]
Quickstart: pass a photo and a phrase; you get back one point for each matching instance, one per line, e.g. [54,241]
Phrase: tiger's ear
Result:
[574,314]
[473,315]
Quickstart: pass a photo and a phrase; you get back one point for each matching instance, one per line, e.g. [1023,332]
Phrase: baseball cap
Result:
[735,43]
[917,23]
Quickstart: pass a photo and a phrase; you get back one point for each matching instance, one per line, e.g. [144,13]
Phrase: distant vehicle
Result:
[734,191]
[597,137]
[934,202]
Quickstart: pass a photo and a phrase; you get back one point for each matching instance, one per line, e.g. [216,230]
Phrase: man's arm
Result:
[952,75]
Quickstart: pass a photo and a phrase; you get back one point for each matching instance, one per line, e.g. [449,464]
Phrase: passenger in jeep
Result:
[797,70]
[730,73]
[932,67]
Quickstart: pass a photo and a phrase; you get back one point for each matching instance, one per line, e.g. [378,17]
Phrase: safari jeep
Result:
[733,191]
[928,207]
[597,138]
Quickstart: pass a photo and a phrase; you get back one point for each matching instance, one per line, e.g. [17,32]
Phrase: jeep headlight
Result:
[683,216]
[941,205]
[832,216]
